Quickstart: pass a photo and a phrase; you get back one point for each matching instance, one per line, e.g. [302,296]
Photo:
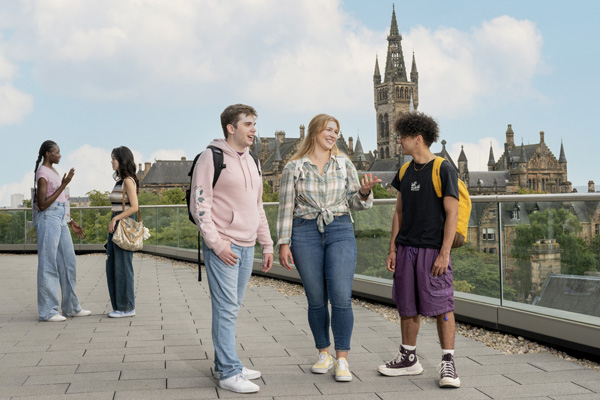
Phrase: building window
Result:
[492,250]
[491,234]
[597,229]
[514,214]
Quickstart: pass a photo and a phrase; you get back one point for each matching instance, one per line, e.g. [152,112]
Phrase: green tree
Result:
[478,273]
[269,195]
[98,198]
[148,198]
[379,192]
[172,196]
[558,224]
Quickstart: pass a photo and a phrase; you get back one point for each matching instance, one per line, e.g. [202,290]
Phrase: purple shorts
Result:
[415,290]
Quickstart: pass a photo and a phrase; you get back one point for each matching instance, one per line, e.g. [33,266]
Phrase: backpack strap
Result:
[256,162]
[435,175]
[403,170]
[218,163]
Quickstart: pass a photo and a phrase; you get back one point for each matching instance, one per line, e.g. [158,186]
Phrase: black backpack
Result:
[219,166]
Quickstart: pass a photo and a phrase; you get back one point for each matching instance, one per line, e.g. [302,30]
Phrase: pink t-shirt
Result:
[53,180]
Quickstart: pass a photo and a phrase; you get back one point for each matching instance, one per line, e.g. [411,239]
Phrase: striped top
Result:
[311,195]
[116,197]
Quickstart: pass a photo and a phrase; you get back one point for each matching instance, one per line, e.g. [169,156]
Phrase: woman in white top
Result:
[56,256]
[119,263]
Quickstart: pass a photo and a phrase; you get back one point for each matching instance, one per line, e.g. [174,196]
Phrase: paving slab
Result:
[165,352]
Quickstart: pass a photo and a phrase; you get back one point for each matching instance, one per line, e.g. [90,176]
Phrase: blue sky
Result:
[155,75]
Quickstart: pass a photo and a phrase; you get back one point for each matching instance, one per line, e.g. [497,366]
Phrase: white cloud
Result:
[495,61]
[93,170]
[477,153]
[14,104]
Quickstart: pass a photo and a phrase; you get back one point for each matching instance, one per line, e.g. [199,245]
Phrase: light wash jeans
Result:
[326,262]
[119,275]
[227,286]
[56,263]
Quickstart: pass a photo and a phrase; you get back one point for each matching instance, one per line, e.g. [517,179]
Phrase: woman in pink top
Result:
[56,256]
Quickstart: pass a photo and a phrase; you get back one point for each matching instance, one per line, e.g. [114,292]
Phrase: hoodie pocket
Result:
[233,218]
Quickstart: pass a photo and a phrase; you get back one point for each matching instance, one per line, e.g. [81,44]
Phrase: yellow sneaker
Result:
[324,364]
[342,371]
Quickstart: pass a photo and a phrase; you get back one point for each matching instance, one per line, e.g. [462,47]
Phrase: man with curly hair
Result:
[423,229]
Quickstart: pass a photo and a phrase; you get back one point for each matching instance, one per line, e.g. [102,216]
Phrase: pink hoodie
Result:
[233,211]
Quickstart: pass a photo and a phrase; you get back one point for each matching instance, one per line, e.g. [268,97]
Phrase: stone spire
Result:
[359,154]
[523,155]
[376,74]
[491,163]
[395,69]
[562,158]
[414,74]
[462,156]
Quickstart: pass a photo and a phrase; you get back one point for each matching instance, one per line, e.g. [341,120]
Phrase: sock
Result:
[444,351]
[407,347]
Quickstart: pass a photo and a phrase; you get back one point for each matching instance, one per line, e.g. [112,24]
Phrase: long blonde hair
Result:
[316,126]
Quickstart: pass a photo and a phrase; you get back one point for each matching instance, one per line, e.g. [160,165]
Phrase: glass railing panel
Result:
[372,231]
[551,255]
[188,231]
[13,225]
[149,217]
[94,222]
[166,226]
[475,265]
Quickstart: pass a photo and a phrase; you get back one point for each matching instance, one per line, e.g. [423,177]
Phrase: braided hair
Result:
[47,146]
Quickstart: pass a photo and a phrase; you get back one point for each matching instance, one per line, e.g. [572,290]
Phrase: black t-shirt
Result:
[423,214]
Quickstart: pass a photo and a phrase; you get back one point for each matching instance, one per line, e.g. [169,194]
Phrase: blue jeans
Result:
[119,275]
[227,286]
[325,262]
[56,263]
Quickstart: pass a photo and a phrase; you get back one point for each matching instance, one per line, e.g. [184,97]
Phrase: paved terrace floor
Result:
[165,351]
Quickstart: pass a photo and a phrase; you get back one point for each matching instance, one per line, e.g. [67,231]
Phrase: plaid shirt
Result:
[311,195]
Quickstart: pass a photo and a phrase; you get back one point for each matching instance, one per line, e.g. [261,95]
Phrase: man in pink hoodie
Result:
[231,218]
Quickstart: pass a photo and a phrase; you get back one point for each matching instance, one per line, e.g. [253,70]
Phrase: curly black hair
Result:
[417,123]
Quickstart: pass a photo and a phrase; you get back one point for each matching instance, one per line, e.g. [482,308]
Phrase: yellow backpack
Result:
[464,200]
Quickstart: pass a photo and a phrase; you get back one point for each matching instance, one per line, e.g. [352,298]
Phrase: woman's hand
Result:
[78,230]
[67,178]
[285,256]
[112,225]
[367,183]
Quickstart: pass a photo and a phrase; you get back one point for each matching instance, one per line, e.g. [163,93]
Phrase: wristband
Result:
[364,195]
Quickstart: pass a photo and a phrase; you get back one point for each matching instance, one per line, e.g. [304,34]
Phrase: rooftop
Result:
[165,351]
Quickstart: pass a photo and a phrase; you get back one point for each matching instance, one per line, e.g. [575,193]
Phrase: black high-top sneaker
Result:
[448,376]
[405,363]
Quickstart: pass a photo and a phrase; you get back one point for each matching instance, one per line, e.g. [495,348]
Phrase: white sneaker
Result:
[56,318]
[239,384]
[82,313]
[248,373]
[121,314]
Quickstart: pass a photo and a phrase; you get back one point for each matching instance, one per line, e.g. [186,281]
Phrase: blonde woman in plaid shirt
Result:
[319,187]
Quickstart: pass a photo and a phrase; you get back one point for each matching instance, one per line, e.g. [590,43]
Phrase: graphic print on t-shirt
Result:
[415,187]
